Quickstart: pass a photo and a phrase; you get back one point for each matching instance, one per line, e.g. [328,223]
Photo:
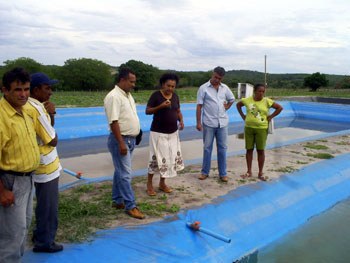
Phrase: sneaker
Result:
[118,206]
[51,249]
[135,213]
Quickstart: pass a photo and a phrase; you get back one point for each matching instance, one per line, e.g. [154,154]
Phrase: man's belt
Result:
[16,173]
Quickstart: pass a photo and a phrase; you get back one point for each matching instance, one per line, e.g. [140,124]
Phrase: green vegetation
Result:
[94,75]
[95,98]
[286,169]
[87,208]
[321,155]
[315,146]
[315,81]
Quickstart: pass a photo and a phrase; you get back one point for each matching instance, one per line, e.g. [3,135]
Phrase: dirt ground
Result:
[190,192]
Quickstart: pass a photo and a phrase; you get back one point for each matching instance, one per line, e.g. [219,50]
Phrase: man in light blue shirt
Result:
[213,100]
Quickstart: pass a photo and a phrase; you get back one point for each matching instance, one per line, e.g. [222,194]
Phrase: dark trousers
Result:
[46,213]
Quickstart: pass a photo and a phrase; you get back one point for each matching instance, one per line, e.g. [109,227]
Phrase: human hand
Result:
[50,107]
[7,198]
[122,149]
[199,127]
[181,125]
[166,104]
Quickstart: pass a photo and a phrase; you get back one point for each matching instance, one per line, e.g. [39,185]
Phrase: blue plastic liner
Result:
[251,216]
[87,122]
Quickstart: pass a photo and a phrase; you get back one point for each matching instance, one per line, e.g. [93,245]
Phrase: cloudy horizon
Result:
[185,35]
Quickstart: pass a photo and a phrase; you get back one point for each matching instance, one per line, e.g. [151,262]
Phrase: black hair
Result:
[124,73]
[220,71]
[168,76]
[16,74]
[257,86]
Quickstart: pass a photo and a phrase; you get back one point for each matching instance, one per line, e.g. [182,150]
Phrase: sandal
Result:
[151,192]
[263,178]
[246,175]
[165,189]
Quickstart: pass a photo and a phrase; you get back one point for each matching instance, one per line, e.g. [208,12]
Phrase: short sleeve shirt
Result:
[50,166]
[120,106]
[164,120]
[213,111]
[257,112]
[19,149]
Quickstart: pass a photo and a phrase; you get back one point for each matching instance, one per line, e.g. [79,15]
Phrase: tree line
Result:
[85,74]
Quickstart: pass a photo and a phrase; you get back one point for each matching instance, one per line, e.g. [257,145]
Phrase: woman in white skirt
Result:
[165,150]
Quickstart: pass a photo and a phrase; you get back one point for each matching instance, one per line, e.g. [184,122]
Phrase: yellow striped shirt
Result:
[50,166]
[19,149]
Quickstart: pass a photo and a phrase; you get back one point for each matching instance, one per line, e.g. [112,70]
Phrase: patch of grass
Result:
[343,143]
[188,169]
[157,209]
[286,169]
[295,152]
[316,146]
[321,155]
[241,181]
[300,162]
[85,209]
[80,216]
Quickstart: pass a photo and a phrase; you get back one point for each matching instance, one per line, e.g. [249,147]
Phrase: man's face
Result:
[18,94]
[128,83]
[216,79]
[42,93]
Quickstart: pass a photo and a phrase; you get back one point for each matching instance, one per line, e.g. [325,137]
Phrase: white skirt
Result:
[165,155]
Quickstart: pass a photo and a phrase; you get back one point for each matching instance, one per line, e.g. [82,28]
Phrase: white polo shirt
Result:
[120,106]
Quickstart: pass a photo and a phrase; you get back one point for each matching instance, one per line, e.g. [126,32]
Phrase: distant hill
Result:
[284,80]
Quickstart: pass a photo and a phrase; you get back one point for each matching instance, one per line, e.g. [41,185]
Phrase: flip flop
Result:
[246,175]
[151,193]
[263,178]
[165,189]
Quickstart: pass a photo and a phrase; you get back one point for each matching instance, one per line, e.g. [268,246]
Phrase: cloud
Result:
[181,35]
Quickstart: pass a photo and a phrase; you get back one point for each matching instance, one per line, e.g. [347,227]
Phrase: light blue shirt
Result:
[213,111]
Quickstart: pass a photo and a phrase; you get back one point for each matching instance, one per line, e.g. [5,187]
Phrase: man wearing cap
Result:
[19,157]
[47,175]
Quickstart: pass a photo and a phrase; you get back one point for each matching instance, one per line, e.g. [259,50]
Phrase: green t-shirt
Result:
[257,112]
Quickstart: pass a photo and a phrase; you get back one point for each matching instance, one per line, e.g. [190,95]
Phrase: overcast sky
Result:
[298,36]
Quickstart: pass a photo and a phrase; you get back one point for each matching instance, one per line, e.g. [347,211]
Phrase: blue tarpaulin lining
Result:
[252,215]
[88,122]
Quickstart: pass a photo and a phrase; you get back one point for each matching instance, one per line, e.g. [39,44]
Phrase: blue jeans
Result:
[121,190]
[15,220]
[220,135]
[46,213]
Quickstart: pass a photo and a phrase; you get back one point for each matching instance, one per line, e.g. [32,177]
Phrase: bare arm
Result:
[278,108]
[228,105]
[239,106]
[54,141]
[118,136]
[199,116]
[181,119]
[152,110]
[51,110]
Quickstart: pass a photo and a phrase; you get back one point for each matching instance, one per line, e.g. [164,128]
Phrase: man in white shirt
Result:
[214,98]
[124,125]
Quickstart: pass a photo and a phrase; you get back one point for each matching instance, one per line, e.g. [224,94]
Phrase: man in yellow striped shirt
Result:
[19,157]
[46,177]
